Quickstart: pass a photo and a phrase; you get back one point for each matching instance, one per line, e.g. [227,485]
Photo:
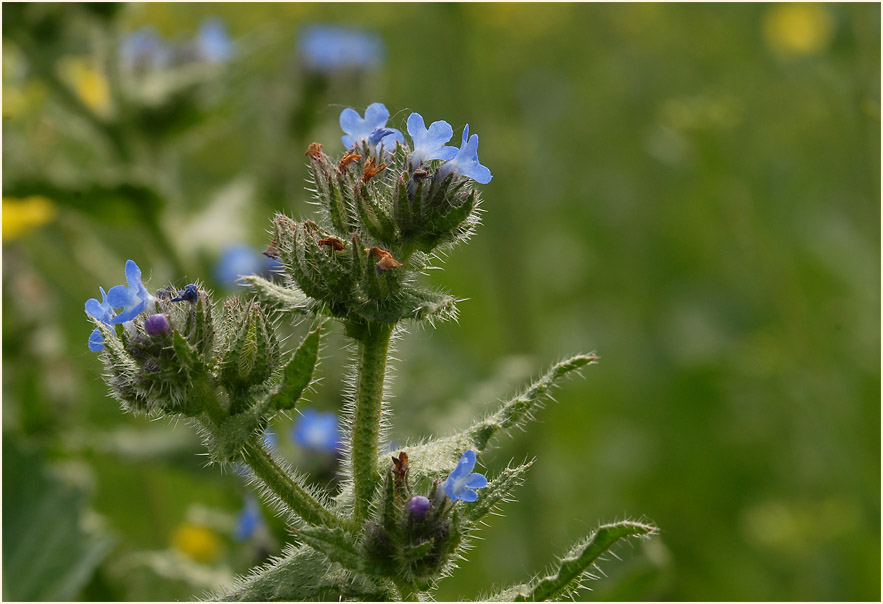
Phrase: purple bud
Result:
[156,325]
[418,506]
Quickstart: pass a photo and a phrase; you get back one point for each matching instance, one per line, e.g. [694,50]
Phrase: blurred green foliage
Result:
[692,191]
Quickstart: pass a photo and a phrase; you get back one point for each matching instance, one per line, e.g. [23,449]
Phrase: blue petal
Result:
[350,120]
[440,132]
[448,488]
[465,465]
[467,495]
[476,481]
[96,341]
[476,172]
[376,115]
[416,126]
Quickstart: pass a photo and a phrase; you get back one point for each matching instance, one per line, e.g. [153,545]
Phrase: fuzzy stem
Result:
[373,348]
[291,493]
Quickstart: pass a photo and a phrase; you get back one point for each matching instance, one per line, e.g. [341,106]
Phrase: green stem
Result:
[278,481]
[373,348]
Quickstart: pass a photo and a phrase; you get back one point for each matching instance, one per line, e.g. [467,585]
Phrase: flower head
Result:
[459,485]
[100,311]
[213,43]
[248,520]
[134,298]
[371,128]
[466,161]
[429,143]
[317,431]
[327,49]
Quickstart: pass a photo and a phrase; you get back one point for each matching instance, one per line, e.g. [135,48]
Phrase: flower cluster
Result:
[427,143]
[133,298]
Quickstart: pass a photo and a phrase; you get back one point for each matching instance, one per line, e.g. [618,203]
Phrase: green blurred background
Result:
[691,191]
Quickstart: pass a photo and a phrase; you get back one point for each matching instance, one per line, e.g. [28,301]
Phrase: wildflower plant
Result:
[388,208]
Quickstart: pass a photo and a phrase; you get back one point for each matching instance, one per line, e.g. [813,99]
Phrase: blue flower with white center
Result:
[371,128]
[327,49]
[429,143]
[248,520]
[213,44]
[134,298]
[317,431]
[459,485]
[466,161]
[100,311]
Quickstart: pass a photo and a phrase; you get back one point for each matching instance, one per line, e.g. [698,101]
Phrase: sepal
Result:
[298,372]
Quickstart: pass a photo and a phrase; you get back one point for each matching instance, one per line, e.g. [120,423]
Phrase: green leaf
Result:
[437,458]
[278,297]
[496,492]
[47,554]
[565,578]
[298,372]
[337,544]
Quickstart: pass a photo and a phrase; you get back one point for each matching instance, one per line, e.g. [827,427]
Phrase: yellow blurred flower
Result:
[196,541]
[798,29]
[23,215]
[88,83]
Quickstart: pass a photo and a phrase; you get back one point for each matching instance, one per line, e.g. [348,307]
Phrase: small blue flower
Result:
[462,480]
[429,144]
[327,49]
[134,298]
[371,128]
[466,161]
[248,520]
[317,431]
[238,260]
[213,43]
[190,293]
[100,311]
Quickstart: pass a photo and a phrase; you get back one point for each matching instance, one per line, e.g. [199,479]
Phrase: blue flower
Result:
[134,298]
[144,49]
[317,431]
[239,259]
[371,128]
[429,144]
[100,311]
[466,161]
[213,44]
[248,520]
[327,49]
[462,480]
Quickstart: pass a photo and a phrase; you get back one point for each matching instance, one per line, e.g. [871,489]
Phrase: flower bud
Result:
[156,325]
[418,506]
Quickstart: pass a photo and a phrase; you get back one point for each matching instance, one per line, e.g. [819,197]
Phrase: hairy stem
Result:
[278,481]
[373,349]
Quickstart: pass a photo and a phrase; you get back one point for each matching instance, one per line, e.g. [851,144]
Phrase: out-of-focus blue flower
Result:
[144,49]
[466,161]
[371,128]
[429,143]
[239,259]
[134,298]
[462,480]
[317,431]
[326,49]
[213,43]
[248,520]
[270,438]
